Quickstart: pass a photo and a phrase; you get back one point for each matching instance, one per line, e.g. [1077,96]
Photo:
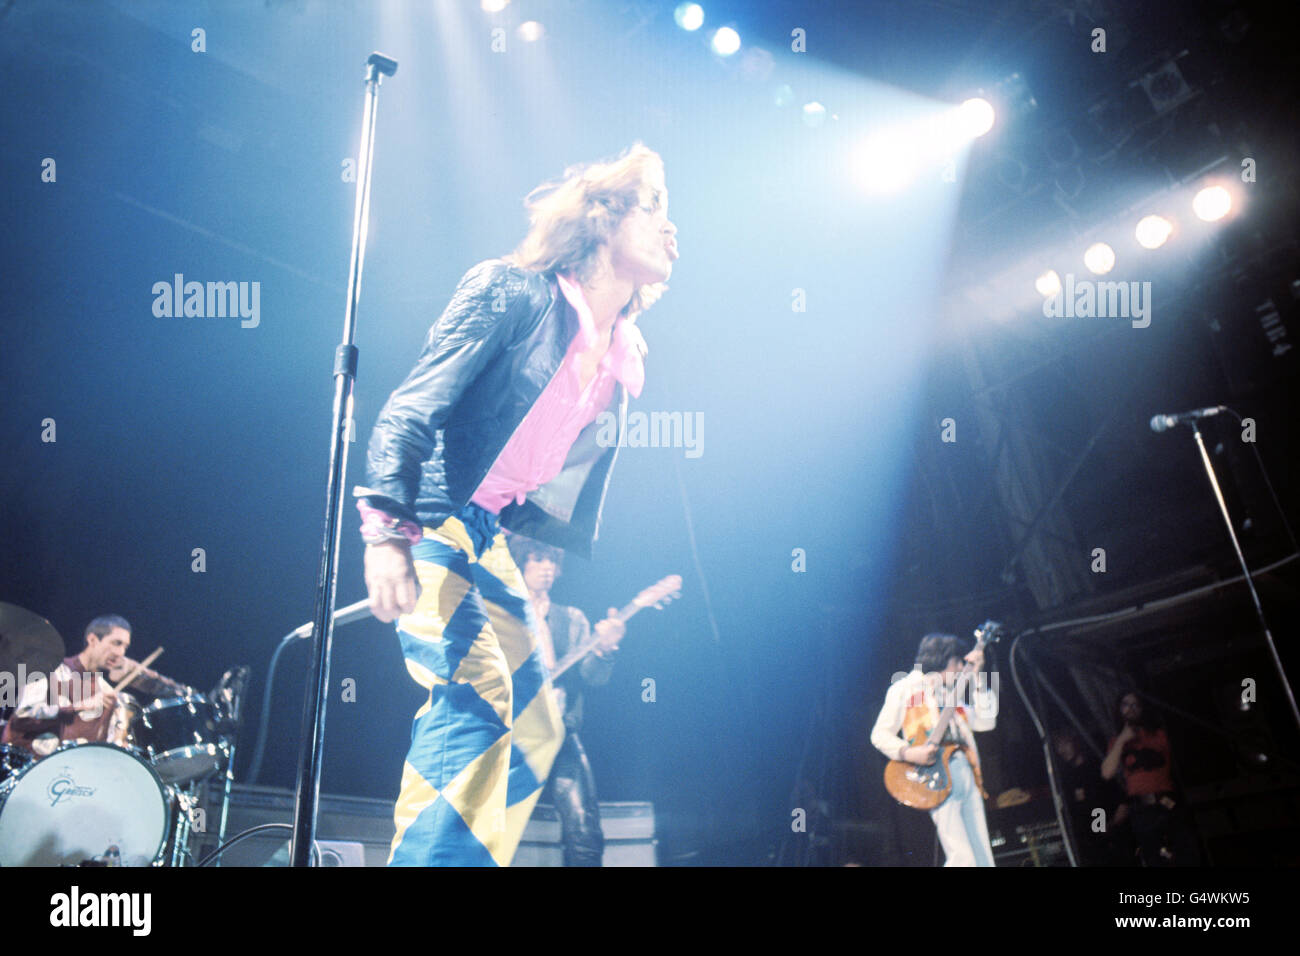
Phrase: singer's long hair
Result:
[572,217]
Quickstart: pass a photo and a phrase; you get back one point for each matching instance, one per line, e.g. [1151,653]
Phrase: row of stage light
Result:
[689,16]
[1211,203]
[972,119]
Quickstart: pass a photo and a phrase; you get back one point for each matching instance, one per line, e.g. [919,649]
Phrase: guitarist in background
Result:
[571,787]
[912,707]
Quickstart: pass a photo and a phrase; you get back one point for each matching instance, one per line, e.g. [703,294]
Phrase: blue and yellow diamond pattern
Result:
[483,744]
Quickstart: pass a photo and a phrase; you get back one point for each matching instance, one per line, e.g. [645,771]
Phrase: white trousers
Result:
[963,830]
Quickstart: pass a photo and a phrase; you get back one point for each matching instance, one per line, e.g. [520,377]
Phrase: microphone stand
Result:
[1250,582]
[345,372]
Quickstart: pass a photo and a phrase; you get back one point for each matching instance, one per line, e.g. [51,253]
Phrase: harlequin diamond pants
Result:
[483,744]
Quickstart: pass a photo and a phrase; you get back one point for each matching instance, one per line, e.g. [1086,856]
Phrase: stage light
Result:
[976,117]
[689,16]
[1153,231]
[1100,258]
[1048,284]
[494,6]
[814,114]
[726,41]
[1212,203]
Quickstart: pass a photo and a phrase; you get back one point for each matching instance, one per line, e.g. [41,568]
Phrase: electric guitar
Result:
[925,786]
[656,596]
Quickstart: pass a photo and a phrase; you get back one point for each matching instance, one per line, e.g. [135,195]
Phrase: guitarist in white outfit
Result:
[912,708]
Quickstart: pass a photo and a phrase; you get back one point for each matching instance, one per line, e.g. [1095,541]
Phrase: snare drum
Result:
[182,736]
[80,803]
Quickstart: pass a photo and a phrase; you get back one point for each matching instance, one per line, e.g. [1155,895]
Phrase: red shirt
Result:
[1146,763]
[47,717]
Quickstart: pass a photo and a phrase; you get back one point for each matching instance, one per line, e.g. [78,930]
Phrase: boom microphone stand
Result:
[1191,418]
[345,372]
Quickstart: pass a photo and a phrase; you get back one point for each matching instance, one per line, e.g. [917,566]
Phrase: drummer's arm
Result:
[150,682]
[33,702]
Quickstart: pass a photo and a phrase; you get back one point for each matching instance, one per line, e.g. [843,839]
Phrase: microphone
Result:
[384,64]
[344,615]
[1160,423]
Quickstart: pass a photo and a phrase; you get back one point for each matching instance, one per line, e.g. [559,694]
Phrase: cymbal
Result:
[28,639]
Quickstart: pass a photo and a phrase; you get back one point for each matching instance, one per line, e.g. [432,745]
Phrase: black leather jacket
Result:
[569,627]
[485,362]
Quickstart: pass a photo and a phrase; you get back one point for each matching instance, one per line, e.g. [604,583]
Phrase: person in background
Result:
[911,710]
[571,788]
[1140,753]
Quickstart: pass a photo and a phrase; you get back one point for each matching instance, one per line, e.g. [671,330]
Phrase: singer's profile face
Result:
[645,245]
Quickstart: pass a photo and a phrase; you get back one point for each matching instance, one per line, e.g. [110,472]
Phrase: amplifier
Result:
[1030,844]
[342,820]
[629,829]
[356,831]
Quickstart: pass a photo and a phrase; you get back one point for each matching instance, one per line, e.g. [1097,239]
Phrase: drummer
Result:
[81,703]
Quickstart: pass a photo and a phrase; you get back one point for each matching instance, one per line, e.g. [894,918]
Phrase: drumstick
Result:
[138,668]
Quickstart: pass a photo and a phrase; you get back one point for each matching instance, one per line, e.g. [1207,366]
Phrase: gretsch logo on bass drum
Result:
[64,786]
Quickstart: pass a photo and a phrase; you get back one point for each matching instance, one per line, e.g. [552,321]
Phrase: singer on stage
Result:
[495,427]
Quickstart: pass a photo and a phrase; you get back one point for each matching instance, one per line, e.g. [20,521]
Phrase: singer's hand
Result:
[391,580]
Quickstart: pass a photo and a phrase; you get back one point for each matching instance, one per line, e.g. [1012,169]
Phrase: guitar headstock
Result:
[987,633]
[660,593]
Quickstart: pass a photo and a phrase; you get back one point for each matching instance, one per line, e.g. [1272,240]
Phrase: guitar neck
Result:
[582,650]
[945,717]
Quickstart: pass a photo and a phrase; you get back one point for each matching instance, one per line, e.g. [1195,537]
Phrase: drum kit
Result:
[131,800]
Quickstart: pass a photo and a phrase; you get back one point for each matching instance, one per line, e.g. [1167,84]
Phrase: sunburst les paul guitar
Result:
[656,596]
[925,786]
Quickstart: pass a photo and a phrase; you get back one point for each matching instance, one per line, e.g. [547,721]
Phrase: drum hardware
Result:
[12,760]
[184,803]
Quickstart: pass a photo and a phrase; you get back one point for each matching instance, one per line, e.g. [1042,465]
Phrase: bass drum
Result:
[84,802]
